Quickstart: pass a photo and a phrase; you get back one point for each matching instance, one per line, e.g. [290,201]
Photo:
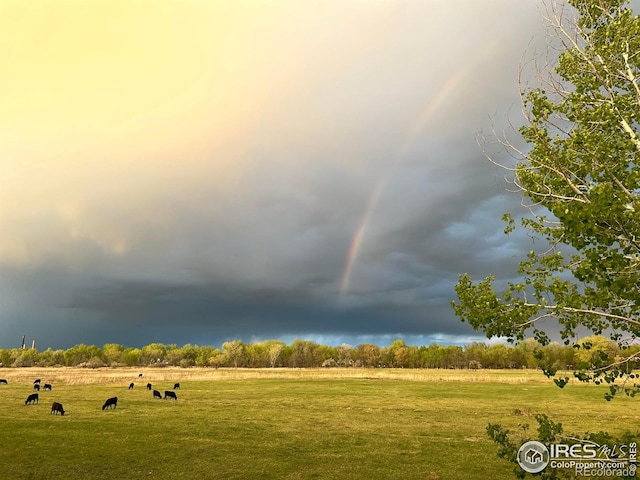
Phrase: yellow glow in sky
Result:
[113,69]
[118,103]
[103,101]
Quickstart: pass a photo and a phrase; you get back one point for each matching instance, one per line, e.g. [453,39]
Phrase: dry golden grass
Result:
[85,376]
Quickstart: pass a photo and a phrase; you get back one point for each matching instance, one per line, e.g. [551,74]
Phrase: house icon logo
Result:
[533,457]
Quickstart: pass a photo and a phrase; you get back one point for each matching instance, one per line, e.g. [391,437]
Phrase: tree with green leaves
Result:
[579,179]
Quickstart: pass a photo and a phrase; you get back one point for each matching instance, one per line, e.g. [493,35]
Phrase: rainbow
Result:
[356,241]
[417,126]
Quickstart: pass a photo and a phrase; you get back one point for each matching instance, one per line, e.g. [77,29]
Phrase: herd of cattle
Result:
[110,403]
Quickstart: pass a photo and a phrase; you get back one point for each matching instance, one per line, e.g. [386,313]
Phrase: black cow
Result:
[111,402]
[31,398]
[130,385]
[36,387]
[36,381]
[3,381]
[47,386]
[139,375]
[170,394]
[57,407]
[148,386]
[156,394]
[176,386]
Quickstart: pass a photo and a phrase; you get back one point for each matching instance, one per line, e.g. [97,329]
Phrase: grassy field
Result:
[283,423]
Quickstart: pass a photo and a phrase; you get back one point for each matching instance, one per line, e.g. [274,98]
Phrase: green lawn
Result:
[293,426]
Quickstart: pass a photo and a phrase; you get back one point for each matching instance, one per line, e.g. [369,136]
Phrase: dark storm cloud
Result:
[225,313]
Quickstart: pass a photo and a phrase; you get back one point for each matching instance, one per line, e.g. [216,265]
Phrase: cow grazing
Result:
[36,387]
[31,399]
[47,386]
[156,394]
[111,402]
[3,381]
[139,375]
[130,385]
[148,386]
[36,381]
[170,394]
[176,386]
[57,407]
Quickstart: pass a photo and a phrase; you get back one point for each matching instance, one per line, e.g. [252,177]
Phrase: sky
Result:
[190,171]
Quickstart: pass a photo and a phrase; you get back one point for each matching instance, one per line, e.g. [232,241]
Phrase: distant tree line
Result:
[308,354]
